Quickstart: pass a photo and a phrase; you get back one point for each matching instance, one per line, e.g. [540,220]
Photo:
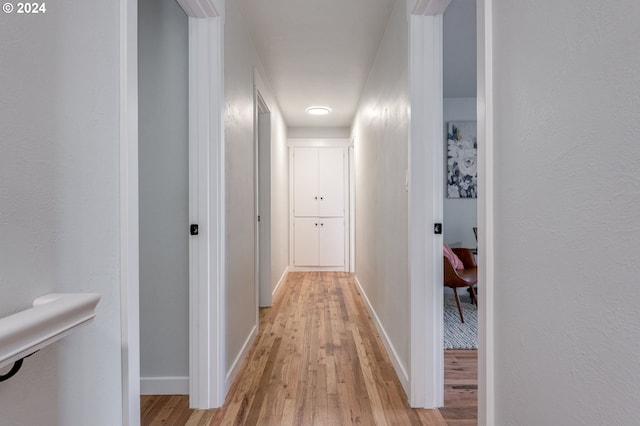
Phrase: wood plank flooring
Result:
[318,360]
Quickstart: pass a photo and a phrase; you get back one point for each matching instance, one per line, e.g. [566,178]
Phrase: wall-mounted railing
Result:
[52,317]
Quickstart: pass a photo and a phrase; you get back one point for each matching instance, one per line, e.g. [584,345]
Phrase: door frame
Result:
[207,167]
[426,88]
[262,156]
[486,225]
[129,228]
[426,184]
[210,350]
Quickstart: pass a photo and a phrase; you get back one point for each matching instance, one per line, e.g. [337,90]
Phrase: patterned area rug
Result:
[456,334]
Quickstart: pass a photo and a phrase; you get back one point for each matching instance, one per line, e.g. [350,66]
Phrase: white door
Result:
[331,246]
[306,241]
[331,182]
[305,182]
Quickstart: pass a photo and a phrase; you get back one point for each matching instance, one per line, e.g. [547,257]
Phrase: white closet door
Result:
[305,182]
[331,241]
[331,182]
[306,241]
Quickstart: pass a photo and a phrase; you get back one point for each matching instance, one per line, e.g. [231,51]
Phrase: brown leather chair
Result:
[467,277]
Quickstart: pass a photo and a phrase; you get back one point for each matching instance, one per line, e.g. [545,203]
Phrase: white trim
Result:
[425,209]
[207,209]
[400,369]
[486,248]
[430,7]
[202,8]
[352,205]
[129,249]
[318,269]
[262,189]
[319,142]
[242,356]
[164,386]
[280,282]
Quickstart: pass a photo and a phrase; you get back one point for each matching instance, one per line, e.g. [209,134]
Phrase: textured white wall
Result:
[240,60]
[460,215]
[164,187]
[381,128]
[59,204]
[567,197]
[239,57]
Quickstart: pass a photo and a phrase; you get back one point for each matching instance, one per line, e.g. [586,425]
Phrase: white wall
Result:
[381,128]
[240,60]
[59,204]
[567,197]
[164,186]
[319,132]
[460,214]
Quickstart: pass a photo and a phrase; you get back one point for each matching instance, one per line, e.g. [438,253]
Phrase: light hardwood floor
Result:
[318,360]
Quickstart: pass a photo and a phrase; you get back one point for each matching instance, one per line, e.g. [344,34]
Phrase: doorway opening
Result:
[460,207]
[263,200]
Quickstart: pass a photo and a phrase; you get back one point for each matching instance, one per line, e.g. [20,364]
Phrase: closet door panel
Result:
[331,182]
[331,241]
[305,182]
[306,241]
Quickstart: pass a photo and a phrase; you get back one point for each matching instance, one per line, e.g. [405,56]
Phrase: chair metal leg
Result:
[473,294]
[455,292]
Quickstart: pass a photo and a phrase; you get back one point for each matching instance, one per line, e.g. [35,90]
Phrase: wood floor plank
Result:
[318,360]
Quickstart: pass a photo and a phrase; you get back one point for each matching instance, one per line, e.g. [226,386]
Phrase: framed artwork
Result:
[462,159]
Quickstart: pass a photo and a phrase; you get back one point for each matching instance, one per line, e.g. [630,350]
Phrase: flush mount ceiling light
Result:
[318,110]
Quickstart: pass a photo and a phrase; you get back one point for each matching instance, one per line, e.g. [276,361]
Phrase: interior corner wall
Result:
[567,197]
[60,205]
[164,202]
[240,60]
[460,214]
[381,129]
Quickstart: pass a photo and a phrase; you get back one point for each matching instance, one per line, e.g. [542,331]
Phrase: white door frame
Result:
[206,203]
[426,146]
[206,358]
[426,203]
[262,153]
[486,248]
[129,248]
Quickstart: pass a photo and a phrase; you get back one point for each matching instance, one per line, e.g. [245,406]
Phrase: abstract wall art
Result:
[462,159]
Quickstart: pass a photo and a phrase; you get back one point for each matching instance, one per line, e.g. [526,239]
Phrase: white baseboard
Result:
[400,369]
[282,279]
[318,269]
[237,363]
[164,385]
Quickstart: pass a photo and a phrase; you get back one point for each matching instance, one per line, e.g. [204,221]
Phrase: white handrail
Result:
[52,317]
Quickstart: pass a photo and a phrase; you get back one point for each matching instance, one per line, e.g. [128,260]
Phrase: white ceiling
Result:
[319,52]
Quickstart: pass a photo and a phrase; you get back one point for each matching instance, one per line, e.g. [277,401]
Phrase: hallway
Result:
[318,360]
